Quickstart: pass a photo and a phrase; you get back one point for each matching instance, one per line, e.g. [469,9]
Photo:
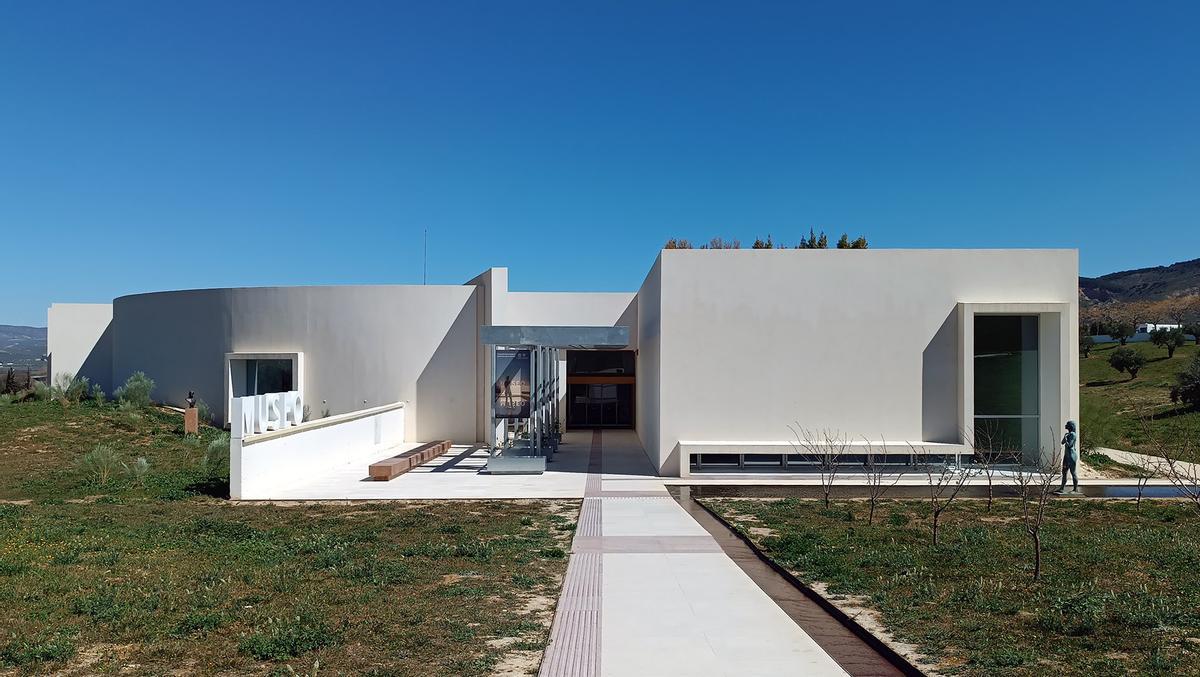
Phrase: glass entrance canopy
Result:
[571,338]
[527,388]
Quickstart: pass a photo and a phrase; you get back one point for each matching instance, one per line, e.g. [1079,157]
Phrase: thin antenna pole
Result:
[425,256]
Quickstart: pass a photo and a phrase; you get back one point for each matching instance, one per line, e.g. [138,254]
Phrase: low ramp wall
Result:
[263,464]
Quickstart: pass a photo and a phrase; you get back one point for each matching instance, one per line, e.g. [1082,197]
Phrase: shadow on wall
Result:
[939,384]
[179,339]
[445,403]
[629,318]
[98,366]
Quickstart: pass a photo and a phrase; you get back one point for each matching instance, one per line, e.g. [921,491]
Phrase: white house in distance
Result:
[1147,327]
[726,349]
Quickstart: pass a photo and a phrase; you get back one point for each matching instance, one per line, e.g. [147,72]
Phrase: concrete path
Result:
[1153,463]
[649,592]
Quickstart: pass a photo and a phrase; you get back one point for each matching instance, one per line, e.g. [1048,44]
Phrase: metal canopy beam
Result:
[578,338]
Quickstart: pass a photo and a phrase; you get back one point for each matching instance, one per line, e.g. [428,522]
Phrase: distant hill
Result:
[1143,284]
[21,346]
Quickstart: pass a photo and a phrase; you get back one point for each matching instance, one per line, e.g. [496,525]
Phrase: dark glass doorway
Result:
[600,388]
[600,405]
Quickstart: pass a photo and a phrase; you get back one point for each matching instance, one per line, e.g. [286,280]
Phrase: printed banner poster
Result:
[510,396]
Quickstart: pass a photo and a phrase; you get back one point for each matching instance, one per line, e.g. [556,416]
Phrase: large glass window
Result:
[1006,384]
[263,376]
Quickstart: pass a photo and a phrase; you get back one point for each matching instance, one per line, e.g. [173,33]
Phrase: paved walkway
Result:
[649,592]
[1153,463]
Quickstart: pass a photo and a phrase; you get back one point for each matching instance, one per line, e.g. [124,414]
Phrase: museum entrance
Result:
[600,389]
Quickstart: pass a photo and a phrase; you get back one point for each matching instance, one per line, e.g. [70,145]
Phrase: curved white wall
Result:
[363,346]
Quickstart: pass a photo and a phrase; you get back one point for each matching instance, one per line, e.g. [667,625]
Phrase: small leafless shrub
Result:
[1035,484]
[945,481]
[1144,468]
[1178,456]
[825,449]
[877,471]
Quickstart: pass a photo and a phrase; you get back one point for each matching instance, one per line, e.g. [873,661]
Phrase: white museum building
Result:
[713,361]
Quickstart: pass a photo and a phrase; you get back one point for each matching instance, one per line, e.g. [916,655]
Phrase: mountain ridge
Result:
[21,345]
[1143,284]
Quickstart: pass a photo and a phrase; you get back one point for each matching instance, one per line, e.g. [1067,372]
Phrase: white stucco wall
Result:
[731,344]
[582,309]
[363,346]
[864,342]
[649,326]
[79,341]
[264,466]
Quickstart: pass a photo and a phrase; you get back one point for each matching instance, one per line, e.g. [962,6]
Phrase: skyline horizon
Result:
[518,288]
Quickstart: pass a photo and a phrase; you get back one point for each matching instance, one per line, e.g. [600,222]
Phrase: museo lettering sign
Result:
[510,393]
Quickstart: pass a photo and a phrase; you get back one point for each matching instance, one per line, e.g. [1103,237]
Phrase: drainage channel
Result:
[852,491]
[858,652]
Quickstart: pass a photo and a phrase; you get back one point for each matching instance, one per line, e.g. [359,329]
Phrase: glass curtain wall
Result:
[1006,386]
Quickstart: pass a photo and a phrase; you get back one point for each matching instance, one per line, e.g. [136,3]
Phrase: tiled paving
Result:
[649,592]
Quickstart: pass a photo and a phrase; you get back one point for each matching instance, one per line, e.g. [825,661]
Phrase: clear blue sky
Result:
[149,146]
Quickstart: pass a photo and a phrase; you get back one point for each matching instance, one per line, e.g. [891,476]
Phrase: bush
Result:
[203,412]
[1127,359]
[1167,338]
[138,469]
[216,457]
[5,399]
[1187,384]
[283,639]
[1086,342]
[136,391]
[97,394]
[40,392]
[21,652]
[101,464]
[68,388]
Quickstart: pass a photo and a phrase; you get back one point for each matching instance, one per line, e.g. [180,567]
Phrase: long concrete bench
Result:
[390,468]
[740,456]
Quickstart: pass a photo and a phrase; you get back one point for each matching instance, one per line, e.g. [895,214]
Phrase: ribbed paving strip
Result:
[574,649]
[589,519]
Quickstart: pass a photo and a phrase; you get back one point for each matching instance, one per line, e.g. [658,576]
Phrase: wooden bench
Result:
[390,468]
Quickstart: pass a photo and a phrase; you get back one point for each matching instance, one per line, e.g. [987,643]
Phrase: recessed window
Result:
[259,377]
[1006,384]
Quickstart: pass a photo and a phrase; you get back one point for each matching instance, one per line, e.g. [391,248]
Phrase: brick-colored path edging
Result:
[854,647]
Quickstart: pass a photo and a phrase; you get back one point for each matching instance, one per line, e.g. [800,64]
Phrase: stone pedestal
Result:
[191,421]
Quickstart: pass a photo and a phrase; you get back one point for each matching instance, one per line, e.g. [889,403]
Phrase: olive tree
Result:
[1187,384]
[1167,338]
[1121,330]
[1127,359]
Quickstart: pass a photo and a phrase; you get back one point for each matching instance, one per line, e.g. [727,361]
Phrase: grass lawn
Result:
[1111,404]
[155,573]
[1120,593]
